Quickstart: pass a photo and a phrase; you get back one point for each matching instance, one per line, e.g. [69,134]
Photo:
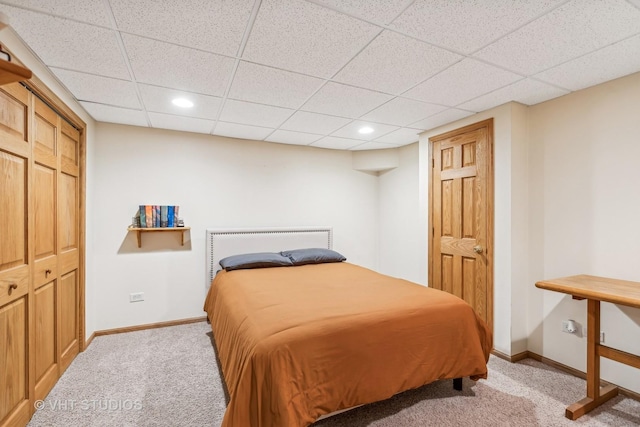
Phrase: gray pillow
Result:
[313,256]
[255,260]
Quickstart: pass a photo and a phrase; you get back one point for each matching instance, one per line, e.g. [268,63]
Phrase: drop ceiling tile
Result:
[351,130]
[572,30]
[322,124]
[304,37]
[393,63]
[336,143]
[234,130]
[266,85]
[341,100]
[466,26]
[402,111]
[380,12]
[68,44]
[185,124]
[211,25]
[89,11]
[158,99]
[98,89]
[526,91]
[295,138]
[402,136]
[254,114]
[447,116]
[177,67]
[373,146]
[109,114]
[608,63]
[465,80]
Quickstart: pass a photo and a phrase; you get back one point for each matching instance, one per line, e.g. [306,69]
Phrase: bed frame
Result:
[222,243]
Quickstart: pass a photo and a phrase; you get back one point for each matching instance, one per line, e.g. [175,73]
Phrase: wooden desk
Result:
[595,289]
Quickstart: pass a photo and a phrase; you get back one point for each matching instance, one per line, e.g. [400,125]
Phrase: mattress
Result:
[296,343]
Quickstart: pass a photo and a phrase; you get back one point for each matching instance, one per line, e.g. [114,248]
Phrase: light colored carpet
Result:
[170,377]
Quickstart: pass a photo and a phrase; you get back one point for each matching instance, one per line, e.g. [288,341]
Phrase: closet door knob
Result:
[47,272]
[12,287]
[477,249]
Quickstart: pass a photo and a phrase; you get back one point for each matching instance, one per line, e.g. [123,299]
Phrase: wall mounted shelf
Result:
[139,232]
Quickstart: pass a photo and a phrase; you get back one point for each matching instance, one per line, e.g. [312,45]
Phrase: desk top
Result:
[596,288]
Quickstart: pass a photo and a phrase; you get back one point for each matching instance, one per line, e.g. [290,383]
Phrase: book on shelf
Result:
[156,216]
[149,211]
[143,216]
[163,216]
[170,216]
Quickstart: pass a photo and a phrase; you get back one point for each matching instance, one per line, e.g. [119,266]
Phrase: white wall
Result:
[584,152]
[520,236]
[400,243]
[404,233]
[12,42]
[217,182]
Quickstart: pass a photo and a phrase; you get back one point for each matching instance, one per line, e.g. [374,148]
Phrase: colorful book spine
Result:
[148,209]
[156,216]
[170,218]
[163,216]
[143,216]
[176,215]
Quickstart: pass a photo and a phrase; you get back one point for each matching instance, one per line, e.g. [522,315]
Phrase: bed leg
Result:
[457,384]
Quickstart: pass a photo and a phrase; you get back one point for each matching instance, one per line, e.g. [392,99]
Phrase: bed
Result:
[298,342]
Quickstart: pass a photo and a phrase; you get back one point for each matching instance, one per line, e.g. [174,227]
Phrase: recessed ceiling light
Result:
[365,130]
[182,102]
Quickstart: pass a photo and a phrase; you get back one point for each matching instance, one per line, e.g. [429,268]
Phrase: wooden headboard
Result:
[222,243]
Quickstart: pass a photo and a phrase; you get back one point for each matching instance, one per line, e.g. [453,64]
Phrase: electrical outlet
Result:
[137,296]
[601,334]
[569,326]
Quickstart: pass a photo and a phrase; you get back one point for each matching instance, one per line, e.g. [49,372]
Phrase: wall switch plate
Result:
[136,296]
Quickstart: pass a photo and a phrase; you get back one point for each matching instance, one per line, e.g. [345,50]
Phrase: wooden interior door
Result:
[461,206]
[46,284]
[68,238]
[15,304]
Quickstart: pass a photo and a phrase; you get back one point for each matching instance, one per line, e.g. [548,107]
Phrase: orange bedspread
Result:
[299,342]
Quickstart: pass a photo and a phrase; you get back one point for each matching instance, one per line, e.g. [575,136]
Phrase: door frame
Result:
[39,89]
[488,124]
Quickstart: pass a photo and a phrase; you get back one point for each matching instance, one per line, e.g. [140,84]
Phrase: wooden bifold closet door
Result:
[40,246]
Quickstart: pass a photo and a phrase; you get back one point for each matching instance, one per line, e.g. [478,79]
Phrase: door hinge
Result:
[433,163]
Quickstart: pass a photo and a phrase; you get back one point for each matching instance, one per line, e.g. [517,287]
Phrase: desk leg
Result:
[595,395]
[593,340]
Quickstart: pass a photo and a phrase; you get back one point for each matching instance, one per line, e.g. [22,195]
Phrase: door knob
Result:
[477,249]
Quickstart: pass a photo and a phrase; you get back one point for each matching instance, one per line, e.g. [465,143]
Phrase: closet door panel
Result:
[15,152]
[46,367]
[14,111]
[14,399]
[13,211]
[45,247]
[45,141]
[68,318]
[44,195]
[70,149]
